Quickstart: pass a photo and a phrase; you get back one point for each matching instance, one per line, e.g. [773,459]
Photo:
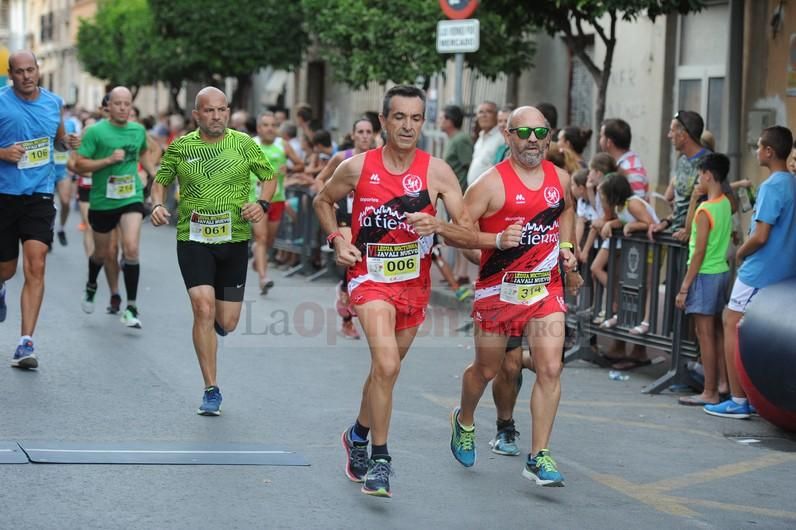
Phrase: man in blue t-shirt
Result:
[31,130]
[63,181]
[768,256]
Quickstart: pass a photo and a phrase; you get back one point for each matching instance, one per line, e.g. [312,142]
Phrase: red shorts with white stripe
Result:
[494,316]
[406,315]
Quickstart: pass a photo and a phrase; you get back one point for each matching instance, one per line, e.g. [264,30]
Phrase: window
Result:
[46,26]
[701,67]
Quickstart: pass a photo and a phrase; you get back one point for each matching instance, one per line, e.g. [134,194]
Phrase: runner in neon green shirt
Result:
[212,166]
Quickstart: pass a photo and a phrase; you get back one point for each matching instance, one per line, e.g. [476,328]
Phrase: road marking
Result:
[152,451]
[654,494]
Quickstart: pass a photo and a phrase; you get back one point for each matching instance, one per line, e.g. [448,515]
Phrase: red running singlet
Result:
[522,283]
[395,260]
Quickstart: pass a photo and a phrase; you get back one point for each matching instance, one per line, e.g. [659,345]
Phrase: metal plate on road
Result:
[10,453]
[458,36]
[162,453]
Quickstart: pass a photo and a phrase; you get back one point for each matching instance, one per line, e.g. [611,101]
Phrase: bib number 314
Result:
[524,288]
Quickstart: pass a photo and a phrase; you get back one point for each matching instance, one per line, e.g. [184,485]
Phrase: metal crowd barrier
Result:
[299,233]
[644,266]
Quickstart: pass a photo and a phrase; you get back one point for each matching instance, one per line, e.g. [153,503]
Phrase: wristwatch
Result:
[265,205]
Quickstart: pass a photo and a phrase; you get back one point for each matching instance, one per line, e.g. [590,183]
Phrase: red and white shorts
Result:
[494,316]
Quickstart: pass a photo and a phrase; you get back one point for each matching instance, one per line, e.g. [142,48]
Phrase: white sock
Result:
[25,338]
[739,401]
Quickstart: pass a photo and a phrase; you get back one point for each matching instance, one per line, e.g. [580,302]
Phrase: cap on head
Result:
[693,124]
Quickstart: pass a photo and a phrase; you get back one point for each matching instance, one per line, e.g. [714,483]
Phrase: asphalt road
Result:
[630,460]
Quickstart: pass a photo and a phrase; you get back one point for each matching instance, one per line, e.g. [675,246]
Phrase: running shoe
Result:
[505,442]
[24,357]
[88,298]
[377,479]
[211,402]
[115,305]
[349,330]
[62,237]
[356,466]
[3,306]
[130,318]
[463,293]
[542,470]
[729,409]
[462,441]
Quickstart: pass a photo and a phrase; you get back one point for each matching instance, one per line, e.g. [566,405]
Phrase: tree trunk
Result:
[174,91]
[242,95]
[602,81]
[134,91]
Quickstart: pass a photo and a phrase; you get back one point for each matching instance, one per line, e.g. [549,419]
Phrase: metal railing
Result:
[637,272]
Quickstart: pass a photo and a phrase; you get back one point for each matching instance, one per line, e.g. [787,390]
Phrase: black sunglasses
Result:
[525,132]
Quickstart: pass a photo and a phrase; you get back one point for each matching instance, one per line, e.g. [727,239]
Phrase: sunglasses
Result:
[525,132]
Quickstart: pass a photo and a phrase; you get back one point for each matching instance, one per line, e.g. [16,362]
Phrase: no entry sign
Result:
[458,9]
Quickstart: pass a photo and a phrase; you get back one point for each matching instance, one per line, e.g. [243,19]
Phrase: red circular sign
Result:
[458,9]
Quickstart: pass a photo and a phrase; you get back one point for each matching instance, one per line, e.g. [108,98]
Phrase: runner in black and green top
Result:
[110,151]
[212,166]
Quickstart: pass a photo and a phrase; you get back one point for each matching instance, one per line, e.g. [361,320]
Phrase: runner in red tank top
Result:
[393,223]
[519,290]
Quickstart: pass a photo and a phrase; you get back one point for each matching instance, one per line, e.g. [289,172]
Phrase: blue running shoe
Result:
[24,356]
[505,442]
[542,470]
[462,441]
[3,307]
[729,409]
[356,466]
[377,480]
[211,402]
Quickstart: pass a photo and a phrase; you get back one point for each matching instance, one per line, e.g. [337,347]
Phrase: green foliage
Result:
[117,44]
[203,39]
[383,40]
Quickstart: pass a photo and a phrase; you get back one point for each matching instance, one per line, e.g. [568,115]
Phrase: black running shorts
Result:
[104,221]
[221,265]
[22,218]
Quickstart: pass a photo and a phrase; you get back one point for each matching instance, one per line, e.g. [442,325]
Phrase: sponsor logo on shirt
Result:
[519,199]
[535,234]
[374,178]
[384,217]
[412,185]
[552,196]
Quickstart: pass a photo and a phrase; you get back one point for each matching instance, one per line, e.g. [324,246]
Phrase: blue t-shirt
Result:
[776,260]
[35,124]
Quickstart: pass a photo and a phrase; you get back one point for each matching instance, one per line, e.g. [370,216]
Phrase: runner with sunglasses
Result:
[520,290]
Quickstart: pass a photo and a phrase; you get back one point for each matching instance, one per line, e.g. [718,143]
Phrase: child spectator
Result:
[704,288]
[573,141]
[631,213]
[585,214]
[768,256]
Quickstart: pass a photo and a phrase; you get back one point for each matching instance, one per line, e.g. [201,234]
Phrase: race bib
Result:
[61,157]
[524,288]
[211,227]
[37,153]
[120,187]
[389,263]
[86,181]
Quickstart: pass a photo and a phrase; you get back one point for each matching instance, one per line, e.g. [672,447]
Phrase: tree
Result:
[208,40]
[117,44]
[574,19]
[383,40]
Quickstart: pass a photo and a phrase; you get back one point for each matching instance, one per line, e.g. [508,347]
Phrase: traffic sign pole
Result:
[459,80]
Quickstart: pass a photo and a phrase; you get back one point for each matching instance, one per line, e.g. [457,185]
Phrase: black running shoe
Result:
[62,238]
[377,480]
[115,304]
[356,466]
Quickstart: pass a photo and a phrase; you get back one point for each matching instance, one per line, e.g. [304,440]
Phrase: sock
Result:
[359,433]
[464,427]
[94,268]
[60,226]
[131,272]
[503,425]
[380,452]
[25,338]
[739,401]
